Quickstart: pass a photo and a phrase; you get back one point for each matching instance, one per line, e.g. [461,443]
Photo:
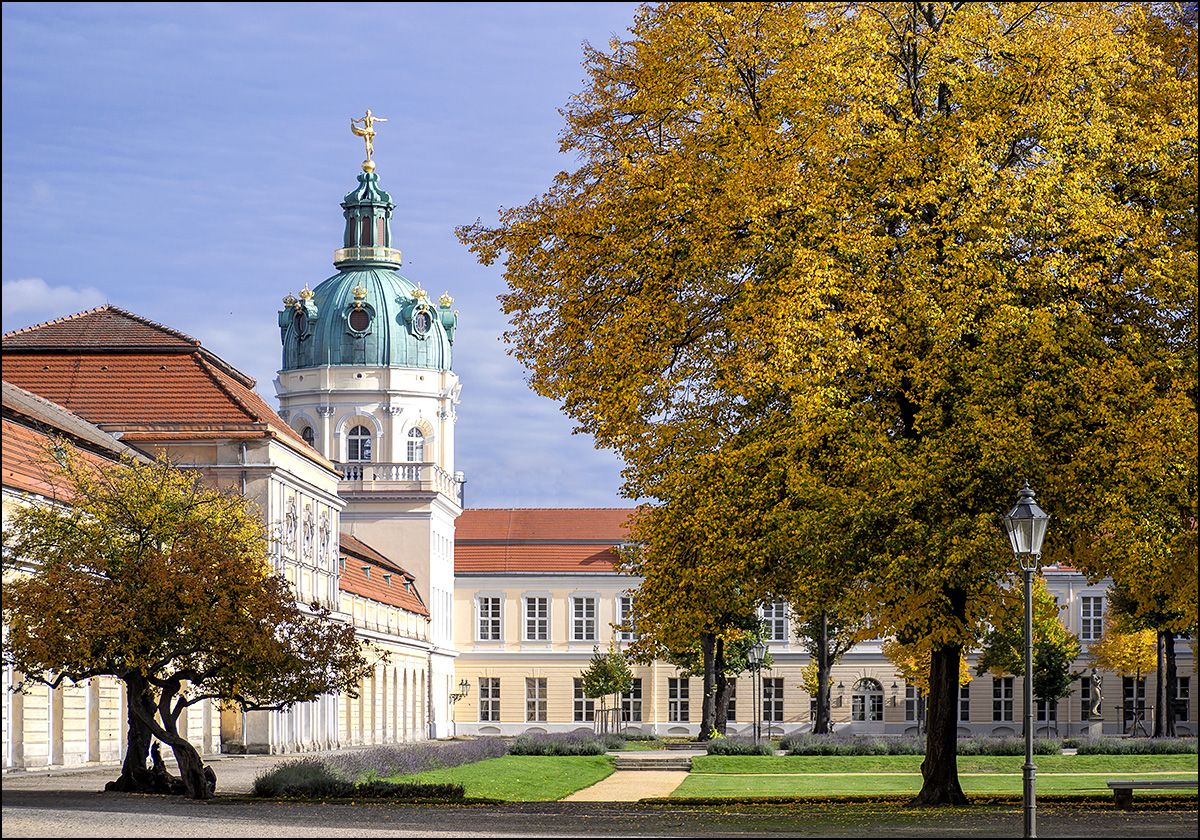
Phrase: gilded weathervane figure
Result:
[367,132]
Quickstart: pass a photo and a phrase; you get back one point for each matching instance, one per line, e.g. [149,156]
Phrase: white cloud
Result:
[32,300]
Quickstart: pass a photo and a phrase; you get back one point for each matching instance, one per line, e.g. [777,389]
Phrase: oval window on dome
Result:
[301,321]
[360,319]
[422,321]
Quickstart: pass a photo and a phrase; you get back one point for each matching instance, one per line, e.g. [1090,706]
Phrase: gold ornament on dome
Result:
[419,293]
[367,133]
[305,294]
[359,294]
[291,300]
[445,299]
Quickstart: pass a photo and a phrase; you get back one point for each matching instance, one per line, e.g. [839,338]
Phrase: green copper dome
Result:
[367,315]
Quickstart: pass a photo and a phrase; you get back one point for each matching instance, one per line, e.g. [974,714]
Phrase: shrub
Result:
[612,740]
[640,736]
[1134,746]
[845,744]
[408,790]
[343,774]
[578,742]
[739,746]
[410,759]
[304,773]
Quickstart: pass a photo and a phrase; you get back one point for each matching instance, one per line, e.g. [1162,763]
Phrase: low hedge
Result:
[312,778]
[1131,746]
[578,742]
[740,746]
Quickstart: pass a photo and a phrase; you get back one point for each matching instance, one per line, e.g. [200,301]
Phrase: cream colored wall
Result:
[513,659]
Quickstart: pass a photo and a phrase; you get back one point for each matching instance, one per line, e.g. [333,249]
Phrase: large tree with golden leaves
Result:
[145,574]
[916,250]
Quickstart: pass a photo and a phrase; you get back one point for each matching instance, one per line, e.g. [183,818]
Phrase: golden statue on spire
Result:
[367,132]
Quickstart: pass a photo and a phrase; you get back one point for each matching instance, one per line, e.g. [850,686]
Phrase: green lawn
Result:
[738,776]
[516,778]
[522,778]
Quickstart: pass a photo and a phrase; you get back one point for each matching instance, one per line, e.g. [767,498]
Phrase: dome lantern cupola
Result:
[368,237]
[367,315]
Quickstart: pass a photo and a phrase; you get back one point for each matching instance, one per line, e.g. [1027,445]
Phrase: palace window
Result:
[867,701]
[537,619]
[964,703]
[772,699]
[535,699]
[489,699]
[631,703]
[731,706]
[677,700]
[774,619]
[1091,618]
[1002,698]
[624,614]
[416,445]
[583,619]
[358,444]
[585,707]
[489,619]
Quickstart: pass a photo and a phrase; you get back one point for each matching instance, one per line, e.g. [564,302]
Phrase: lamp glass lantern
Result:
[1026,526]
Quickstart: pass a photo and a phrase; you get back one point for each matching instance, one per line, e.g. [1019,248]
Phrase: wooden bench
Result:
[1123,790]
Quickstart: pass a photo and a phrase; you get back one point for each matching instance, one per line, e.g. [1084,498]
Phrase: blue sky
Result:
[186,162]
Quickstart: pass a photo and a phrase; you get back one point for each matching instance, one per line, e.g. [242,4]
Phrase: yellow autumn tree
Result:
[144,574]
[913,251]
[1130,653]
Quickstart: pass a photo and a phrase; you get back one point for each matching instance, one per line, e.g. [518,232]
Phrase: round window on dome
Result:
[360,319]
[422,321]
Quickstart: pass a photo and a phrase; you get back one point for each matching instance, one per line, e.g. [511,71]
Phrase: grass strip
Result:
[821,776]
[521,778]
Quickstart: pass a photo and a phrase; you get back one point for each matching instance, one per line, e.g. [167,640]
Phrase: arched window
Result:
[416,445]
[308,434]
[359,441]
[867,700]
[364,237]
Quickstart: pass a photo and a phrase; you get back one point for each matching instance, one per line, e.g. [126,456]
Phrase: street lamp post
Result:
[464,688]
[756,653]
[1026,527]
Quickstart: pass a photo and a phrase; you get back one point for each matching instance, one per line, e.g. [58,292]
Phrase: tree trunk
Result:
[721,689]
[725,688]
[135,776]
[821,724]
[708,713]
[199,780]
[940,767]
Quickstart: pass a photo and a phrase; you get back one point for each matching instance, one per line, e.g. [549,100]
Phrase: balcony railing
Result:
[373,253]
[369,475]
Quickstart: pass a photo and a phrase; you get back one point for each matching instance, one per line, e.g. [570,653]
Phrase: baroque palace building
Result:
[489,616]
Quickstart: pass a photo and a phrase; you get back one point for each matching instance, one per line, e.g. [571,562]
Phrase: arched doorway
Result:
[866,712]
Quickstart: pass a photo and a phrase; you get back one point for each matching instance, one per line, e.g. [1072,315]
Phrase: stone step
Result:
[666,763]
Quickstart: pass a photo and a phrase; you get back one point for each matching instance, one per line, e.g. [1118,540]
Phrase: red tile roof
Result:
[508,524]
[153,384]
[103,328]
[30,424]
[385,582]
[539,540]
